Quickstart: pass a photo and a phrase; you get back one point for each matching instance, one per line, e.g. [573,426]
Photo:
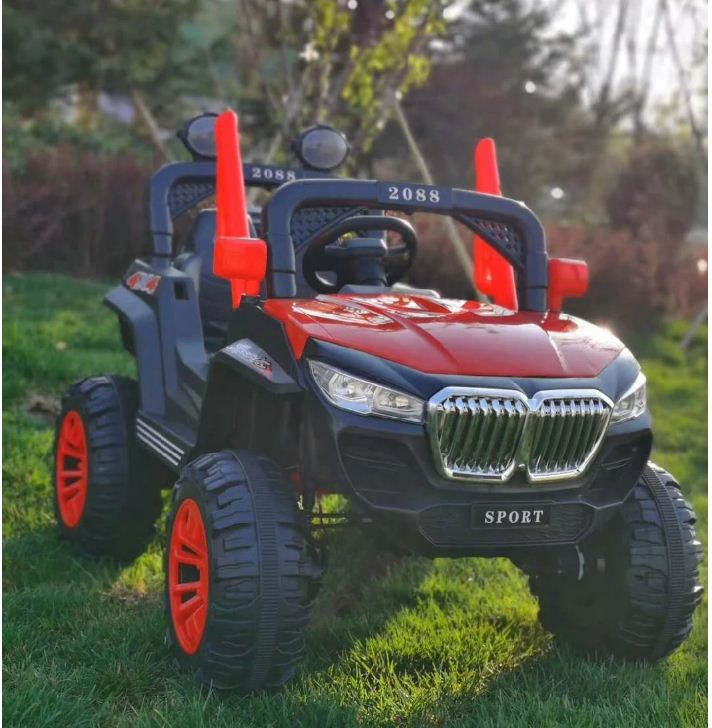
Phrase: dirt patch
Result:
[43,406]
[130,596]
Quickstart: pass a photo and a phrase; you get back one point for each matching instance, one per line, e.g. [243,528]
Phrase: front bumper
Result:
[387,468]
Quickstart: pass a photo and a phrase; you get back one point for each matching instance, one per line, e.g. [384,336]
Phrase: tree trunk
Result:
[466,263]
[149,122]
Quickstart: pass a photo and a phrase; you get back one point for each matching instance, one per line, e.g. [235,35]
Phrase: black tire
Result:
[123,500]
[262,572]
[639,586]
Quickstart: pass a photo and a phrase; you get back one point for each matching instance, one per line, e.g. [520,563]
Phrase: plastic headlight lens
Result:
[633,403]
[365,398]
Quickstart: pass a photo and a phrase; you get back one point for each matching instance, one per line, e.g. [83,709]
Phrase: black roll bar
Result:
[469,208]
[177,187]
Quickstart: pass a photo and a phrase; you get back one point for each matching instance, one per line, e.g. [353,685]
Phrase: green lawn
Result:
[394,641]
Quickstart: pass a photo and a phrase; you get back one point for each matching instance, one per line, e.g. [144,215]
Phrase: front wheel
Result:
[638,586]
[240,575]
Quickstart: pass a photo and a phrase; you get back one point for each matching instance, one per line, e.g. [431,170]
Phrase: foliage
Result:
[466,69]
[634,281]
[284,65]
[68,208]
[321,61]
[394,65]
[502,72]
[31,137]
[655,193]
[395,640]
[83,210]
[356,60]
[112,46]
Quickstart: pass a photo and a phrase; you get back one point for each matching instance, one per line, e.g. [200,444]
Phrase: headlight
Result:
[365,398]
[633,403]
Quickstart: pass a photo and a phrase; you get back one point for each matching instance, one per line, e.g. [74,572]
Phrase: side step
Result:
[171,447]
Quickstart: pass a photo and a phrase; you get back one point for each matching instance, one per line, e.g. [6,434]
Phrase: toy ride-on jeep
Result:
[280,355]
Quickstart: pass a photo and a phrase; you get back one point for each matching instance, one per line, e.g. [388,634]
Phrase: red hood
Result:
[442,336]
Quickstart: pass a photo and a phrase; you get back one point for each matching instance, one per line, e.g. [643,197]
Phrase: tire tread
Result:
[630,616]
[264,572]
[121,510]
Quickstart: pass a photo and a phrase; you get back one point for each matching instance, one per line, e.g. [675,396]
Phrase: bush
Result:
[632,285]
[655,194]
[75,211]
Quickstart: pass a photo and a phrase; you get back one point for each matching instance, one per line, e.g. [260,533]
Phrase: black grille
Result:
[185,195]
[308,220]
[502,236]
[381,467]
[451,526]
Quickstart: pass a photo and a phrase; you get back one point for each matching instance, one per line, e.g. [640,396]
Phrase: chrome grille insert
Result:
[475,434]
[485,434]
[566,431]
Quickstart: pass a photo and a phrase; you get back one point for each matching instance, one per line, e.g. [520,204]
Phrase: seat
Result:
[214,298]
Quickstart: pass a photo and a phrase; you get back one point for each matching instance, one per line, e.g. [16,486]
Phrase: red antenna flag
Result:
[237,257]
[494,275]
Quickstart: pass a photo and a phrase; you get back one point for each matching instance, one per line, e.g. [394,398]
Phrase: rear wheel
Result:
[240,575]
[106,503]
[638,586]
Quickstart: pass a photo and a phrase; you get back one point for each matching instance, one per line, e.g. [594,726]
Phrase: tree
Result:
[123,47]
[111,46]
[290,65]
[501,72]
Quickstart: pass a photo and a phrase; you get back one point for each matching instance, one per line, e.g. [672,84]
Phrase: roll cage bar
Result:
[178,187]
[509,226]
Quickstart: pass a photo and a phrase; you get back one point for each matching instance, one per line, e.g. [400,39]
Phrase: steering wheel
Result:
[368,258]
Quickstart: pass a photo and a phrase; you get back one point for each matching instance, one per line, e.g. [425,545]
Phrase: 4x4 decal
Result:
[146,282]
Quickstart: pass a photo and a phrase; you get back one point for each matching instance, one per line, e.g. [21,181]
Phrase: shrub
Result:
[632,286]
[655,194]
[75,211]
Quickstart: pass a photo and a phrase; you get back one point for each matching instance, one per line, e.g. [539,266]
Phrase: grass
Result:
[394,641]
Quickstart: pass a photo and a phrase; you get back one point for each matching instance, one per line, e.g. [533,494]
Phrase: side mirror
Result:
[568,278]
[243,261]
[198,136]
[321,148]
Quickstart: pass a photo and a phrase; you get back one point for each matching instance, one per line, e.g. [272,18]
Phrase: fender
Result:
[141,321]
[245,404]
[245,358]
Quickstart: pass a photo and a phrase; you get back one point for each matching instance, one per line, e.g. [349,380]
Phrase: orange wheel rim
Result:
[188,576]
[72,469]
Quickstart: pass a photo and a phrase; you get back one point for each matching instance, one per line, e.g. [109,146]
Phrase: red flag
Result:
[494,275]
[237,257]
